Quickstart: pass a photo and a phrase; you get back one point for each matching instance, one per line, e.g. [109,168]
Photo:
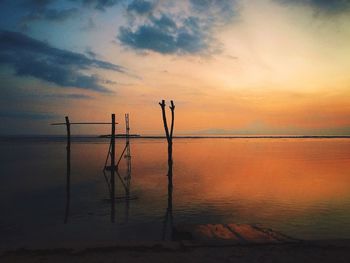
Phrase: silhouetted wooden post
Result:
[68,171]
[128,171]
[113,168]
[169,136]
[170,145]
[111,153]
[68,132]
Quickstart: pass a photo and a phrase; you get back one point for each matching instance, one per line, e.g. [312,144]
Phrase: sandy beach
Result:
[306,251]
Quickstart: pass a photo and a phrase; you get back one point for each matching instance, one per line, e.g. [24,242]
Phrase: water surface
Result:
[300,187]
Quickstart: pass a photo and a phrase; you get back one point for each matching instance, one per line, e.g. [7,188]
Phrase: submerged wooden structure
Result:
[194,234]
[111,156]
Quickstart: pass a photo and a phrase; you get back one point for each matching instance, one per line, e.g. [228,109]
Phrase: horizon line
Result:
[157,136]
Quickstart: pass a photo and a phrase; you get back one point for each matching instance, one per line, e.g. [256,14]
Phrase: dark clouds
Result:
[169,28]
[53,15]
[55,10]
[30,57]
[36,10]
[38,4]
[59,11]
[158,39]
[97,4]
[325,6]
[163,35]
[101,5]
[140,6]
[217,11]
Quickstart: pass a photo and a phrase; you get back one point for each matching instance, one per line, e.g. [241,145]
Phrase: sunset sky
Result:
[231,66]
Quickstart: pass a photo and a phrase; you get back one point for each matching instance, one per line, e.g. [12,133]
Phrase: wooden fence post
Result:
[68,171]
[113,169]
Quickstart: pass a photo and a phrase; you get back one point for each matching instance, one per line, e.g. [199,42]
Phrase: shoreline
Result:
[335,250]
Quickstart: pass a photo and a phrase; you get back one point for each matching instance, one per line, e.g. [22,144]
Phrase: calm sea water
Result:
[300,187]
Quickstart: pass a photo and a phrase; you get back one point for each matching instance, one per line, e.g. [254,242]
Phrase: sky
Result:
[263,67]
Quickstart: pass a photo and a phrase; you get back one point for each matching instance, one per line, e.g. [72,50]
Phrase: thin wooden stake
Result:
[169,137]
[68,132]
[128,171]
[68,172]
[172,108]
[113,169]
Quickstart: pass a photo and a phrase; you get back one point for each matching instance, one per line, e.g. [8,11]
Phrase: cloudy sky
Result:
[231,66]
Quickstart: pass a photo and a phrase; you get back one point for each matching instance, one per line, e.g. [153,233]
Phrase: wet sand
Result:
[305,251]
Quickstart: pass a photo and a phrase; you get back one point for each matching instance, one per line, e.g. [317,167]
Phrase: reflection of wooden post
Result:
[111,154]
[168,214]
[170,207]
[113,168]
[68,171]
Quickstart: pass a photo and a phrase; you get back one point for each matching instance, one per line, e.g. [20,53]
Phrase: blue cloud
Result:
[101,4]
[148,38]
[180,30]
[30,57]
[53,15]
[97,4]
[217,11]
[140,6]
[164,23]
[36,5]
[162,35]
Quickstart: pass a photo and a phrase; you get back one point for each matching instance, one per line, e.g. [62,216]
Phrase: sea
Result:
[299,186]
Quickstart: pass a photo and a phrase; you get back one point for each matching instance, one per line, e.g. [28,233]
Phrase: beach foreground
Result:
[305,251]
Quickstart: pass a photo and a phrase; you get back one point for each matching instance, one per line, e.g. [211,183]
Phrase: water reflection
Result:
[168,224]
[283,184]
[68,175]
[109,175]
[125,181]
